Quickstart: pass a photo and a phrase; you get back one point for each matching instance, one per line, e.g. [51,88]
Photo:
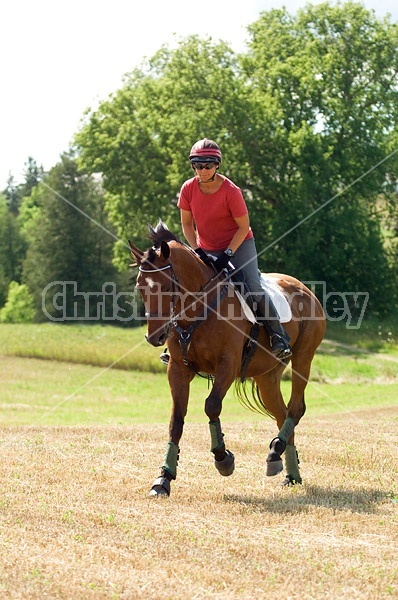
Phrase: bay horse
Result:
[197,312]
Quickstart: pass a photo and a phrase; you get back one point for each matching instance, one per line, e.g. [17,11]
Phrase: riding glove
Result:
[223,262]
[204,257]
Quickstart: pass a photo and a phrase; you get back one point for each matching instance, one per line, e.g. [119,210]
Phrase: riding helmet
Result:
[205,151]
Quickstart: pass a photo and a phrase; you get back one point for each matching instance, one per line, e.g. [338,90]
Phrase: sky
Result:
[59,59]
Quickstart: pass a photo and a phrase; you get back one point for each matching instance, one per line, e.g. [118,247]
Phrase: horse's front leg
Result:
[179,379]
[224,460]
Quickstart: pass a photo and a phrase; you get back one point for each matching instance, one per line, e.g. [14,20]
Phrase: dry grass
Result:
[76,521]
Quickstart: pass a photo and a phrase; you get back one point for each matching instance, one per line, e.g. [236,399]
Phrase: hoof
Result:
[289,481]
[274,467]
[274,461]
[274,464]
[226,466]
[160,488]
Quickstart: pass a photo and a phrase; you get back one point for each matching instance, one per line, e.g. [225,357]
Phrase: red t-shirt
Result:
[214,214]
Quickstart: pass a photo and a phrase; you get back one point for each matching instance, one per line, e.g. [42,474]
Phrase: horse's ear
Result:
[164,249]
[135,253]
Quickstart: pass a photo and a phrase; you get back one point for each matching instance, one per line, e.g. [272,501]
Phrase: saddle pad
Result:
[279,299]
[247,311]
[273,290]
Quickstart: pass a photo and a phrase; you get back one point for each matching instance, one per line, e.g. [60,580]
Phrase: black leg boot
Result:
[267,315]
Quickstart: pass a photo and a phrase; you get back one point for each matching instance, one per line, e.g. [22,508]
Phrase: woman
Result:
[215,220]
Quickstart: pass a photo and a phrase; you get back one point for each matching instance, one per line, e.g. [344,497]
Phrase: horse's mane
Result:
[161,233]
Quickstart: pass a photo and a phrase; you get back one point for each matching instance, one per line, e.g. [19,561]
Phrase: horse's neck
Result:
[191,275]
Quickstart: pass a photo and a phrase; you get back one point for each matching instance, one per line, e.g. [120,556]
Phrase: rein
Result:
[185,334]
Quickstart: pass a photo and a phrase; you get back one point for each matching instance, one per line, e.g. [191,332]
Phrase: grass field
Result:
[76,521]
[93,375]
[80,444]
[107,346]
[42,392]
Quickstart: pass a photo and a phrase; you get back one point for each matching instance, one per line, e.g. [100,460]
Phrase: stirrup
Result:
[164,357]
[285,354]
[279,348]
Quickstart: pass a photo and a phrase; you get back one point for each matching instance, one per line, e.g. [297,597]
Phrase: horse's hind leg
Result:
[271,397]
[284,441]
[292,466]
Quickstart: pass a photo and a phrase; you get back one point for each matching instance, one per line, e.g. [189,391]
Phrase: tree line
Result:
[306,118]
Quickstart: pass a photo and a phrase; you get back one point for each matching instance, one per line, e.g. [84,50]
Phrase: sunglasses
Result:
[207,166]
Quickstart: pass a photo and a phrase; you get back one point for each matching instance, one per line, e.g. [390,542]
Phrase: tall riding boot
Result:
[267,315]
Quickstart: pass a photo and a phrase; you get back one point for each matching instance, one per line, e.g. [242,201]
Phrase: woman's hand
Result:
[204,257]
[222,262]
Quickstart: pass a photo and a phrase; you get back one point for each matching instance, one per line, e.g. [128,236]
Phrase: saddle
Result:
[273,290]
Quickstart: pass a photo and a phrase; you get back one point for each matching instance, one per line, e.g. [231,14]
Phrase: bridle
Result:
[174,281]
[185,334]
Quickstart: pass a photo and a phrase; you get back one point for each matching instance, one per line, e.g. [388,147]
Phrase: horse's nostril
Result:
[155,341]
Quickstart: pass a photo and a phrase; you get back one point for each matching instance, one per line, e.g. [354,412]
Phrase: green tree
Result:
[29,210]
[19,307]
[139,139]
[332,72]
[12,195]
[33,175]
[71,241]
[303,118]
[13,238]
[12,248]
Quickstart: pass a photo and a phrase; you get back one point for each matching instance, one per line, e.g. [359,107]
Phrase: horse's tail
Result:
[250,398]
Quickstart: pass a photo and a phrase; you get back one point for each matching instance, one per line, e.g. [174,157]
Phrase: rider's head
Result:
[205,151]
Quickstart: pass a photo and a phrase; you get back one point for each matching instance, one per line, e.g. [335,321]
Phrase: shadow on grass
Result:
[338,499]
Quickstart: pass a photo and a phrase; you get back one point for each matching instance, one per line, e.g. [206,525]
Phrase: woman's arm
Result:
[243,224]
[188,228]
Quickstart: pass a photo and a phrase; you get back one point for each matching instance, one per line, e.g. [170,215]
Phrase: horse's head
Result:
[167,273]
[156,285]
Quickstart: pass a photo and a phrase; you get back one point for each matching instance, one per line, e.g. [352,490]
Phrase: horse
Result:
[198,314]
